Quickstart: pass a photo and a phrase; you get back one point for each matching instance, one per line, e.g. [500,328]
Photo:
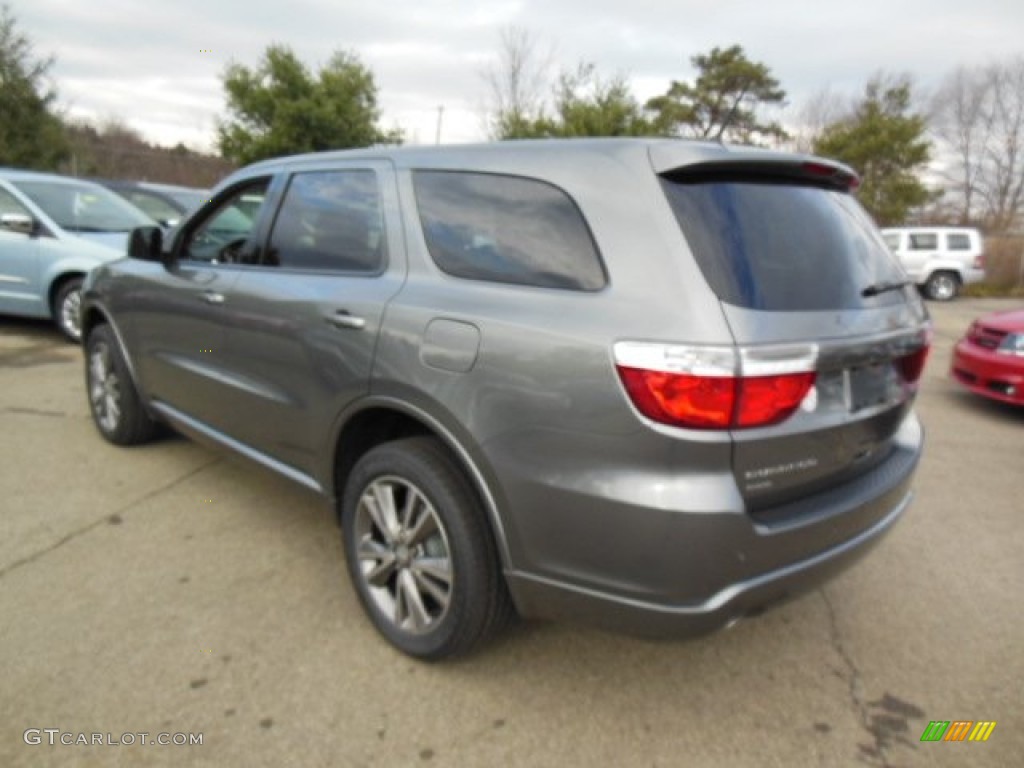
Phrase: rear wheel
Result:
[942,286]
[67,309]
[419,552]
[116,407]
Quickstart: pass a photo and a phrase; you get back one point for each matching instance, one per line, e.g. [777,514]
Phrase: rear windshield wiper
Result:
[876,288]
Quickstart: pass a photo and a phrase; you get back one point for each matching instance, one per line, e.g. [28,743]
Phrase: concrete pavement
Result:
[171,589]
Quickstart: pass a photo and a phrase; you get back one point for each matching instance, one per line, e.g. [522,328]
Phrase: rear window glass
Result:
[506,229]
[782,246]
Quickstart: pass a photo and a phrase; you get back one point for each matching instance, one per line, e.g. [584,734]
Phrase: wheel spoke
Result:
[424,525]
[410,610]
[380,503]
[441,593]
[378,562]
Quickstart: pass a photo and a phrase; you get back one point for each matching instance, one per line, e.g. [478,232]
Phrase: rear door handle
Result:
[212,297]
[343,319]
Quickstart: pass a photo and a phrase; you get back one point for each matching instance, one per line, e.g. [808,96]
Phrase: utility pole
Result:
[440,115]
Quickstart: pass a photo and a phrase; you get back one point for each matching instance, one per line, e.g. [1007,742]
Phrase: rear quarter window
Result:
[506,229]
[783,246]
[958,242]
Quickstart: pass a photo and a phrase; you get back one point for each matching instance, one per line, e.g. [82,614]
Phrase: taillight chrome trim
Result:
[715,360]
[778,359]
[677,358]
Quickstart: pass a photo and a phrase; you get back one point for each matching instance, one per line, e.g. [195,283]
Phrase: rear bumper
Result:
[542,597]
[687,573]
[990,374]
[972,275]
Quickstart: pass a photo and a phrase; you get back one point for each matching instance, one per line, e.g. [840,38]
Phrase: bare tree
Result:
[824,108]
[978,115]
[516,83]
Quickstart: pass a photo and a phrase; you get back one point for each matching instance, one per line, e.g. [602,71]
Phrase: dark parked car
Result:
[599,379]
[989,359]
[165,203]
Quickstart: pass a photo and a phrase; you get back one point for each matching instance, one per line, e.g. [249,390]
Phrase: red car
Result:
[989,360]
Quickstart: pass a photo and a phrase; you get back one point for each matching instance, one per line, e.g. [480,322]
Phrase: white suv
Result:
[939,259]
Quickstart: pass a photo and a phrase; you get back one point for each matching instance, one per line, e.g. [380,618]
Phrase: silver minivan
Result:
[654,385]
[53,230]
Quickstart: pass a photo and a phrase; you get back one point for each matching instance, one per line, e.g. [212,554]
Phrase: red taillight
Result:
[681,399]
[912,366]
[979,261]
[715,402]
[765,400]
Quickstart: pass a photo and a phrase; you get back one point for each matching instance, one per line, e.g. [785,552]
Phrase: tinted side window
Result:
[924,241]
[506,229]
[958,242]
[330,220]
[223,234]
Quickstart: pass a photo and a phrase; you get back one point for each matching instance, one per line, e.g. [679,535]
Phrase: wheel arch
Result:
[95,314]
[381,420]
[57,282]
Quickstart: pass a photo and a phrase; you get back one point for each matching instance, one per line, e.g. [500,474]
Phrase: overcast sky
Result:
[157,65]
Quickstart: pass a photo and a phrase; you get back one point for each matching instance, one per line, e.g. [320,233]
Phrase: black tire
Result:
[942,286]
[437,519]
[116,408]
[66,309]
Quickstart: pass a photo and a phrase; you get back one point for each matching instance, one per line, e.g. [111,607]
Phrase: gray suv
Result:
[653,385]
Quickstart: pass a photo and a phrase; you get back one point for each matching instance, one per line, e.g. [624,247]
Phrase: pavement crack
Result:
[34,412]
[115,517]
[875,752]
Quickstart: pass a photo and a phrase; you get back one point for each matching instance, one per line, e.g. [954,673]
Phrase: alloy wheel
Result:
[403,555]
[104,388]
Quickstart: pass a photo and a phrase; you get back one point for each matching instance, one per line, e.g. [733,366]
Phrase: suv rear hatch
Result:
[830,339]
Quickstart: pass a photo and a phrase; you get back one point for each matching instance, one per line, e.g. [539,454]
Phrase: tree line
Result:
[956,158]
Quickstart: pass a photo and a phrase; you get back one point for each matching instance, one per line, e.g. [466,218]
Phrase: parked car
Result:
[596,379]
[989,359]
[53,230]
[939,259]
[165,203]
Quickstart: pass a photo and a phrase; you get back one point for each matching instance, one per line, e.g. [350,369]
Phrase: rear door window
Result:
[506,229]
[330,220]
[924,241]
[783,246]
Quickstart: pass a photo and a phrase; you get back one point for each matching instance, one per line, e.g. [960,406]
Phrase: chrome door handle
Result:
[212,297]
[342,319]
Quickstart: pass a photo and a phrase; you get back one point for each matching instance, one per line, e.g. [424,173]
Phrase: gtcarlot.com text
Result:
[55,736]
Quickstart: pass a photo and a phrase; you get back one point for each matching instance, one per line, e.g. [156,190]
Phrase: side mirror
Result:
[21,223]
[146,243]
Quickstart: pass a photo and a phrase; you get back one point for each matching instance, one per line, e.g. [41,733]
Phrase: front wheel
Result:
[420,553]
[67,309]
[942,286]
[116,407]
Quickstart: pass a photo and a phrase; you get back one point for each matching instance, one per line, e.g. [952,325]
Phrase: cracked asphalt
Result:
[172,589]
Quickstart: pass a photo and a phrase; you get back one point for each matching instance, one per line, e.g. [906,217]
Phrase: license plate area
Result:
[871,386]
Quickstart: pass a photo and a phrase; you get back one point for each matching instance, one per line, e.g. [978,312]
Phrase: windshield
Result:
[189,199]
[783,246]
[77,207]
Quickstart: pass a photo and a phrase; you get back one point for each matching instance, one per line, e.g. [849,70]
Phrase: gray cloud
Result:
[158,65]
